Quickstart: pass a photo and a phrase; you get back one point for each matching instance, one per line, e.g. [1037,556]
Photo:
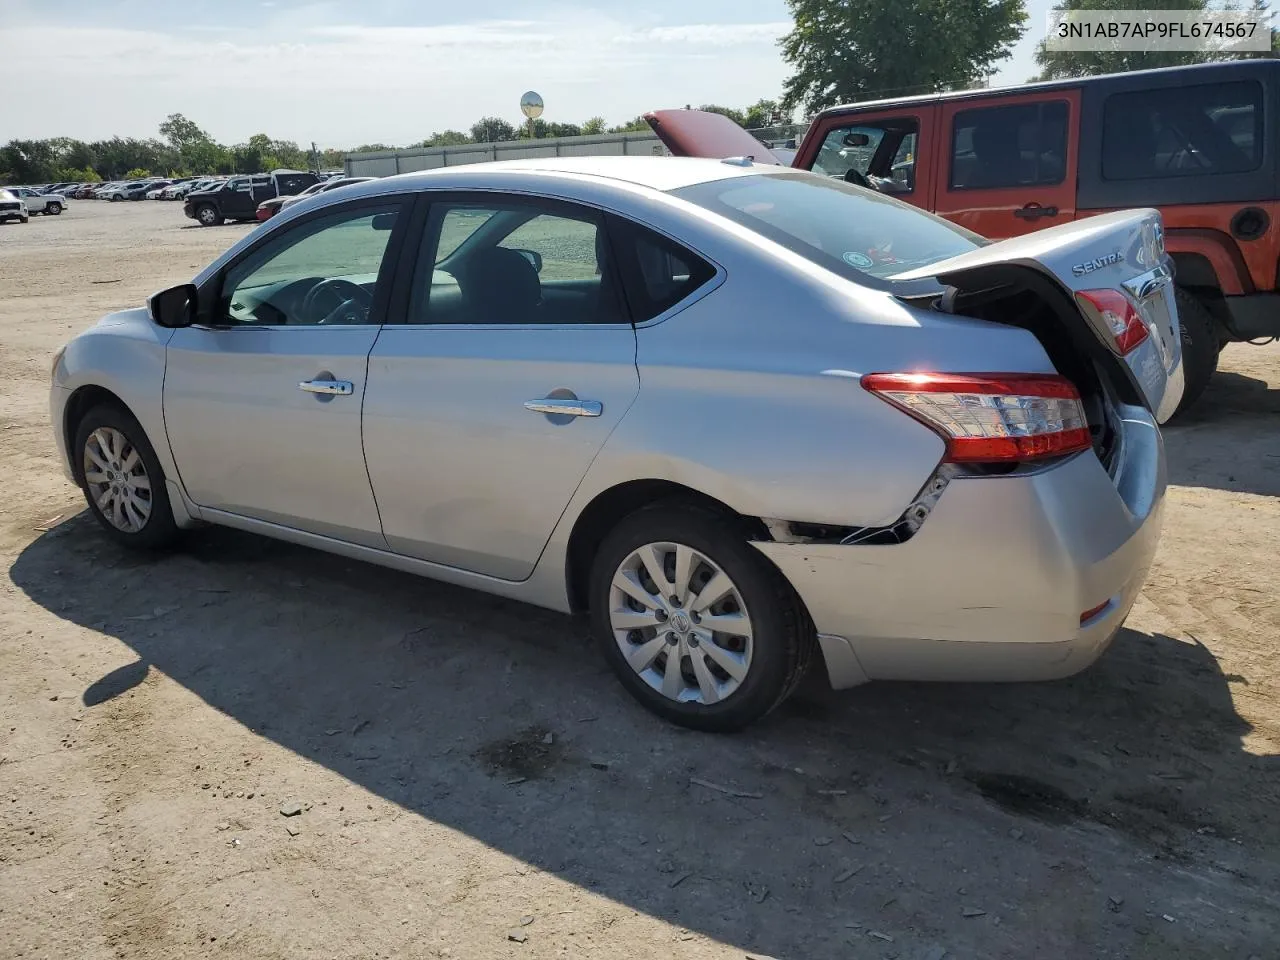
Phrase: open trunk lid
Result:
[1088,273]
[697,133]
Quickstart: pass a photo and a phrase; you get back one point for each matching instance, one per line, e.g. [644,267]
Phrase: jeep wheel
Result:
[1200,347]
[208,216]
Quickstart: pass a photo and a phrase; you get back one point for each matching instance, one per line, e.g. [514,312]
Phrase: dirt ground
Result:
[474,784]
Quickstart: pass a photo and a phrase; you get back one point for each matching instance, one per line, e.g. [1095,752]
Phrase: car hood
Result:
[697,133]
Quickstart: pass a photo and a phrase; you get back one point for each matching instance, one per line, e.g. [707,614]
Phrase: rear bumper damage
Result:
[993,585]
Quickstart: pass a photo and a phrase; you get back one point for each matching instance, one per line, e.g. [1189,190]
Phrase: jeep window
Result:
[1009,146]
[854,232]
[882,152]
[1183,131]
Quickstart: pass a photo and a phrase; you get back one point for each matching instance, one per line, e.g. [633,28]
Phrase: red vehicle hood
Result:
[696,133]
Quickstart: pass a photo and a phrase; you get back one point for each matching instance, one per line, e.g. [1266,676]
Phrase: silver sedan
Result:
[743,415]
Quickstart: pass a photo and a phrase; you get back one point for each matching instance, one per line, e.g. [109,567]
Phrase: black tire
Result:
[1200,347]
[26,219]
[783,635]
[53,209]
[159,530]
[116,197]
[207,215]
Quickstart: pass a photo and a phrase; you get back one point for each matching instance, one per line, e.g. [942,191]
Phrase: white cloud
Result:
[347,84]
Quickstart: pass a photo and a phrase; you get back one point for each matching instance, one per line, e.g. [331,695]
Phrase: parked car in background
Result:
[333,183]
[875,493]
[156,187]
[238,197]
[12,207]
[270,207]
[51,204]
[1199,143]
[86,191]
[134,190]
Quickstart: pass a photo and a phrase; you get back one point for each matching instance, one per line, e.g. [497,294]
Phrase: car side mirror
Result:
[534,257]
[856,140]
[175,307]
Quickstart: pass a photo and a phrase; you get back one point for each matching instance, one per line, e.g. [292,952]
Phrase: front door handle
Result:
[565,407]
[1033,211]
[333,388]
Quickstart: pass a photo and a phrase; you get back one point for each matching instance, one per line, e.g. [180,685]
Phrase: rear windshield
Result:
[850,230]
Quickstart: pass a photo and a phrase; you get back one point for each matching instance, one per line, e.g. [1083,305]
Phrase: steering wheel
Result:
[350,302]
[857,179]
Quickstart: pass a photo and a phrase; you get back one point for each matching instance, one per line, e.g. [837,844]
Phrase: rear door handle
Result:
[1033,211]
[333,388]
[565,407]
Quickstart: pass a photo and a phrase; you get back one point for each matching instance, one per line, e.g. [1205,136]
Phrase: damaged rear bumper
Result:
[993,585]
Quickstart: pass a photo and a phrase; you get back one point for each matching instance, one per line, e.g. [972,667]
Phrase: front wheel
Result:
[122,479]
[53,209]
[698,626]
[207,215]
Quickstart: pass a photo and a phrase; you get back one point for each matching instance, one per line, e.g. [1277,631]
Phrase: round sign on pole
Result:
[531,105]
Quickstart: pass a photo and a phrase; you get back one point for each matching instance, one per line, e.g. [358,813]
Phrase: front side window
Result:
[1183,131]
[321,272]
[1018,145]
[517,262]
[851,231]
[880,154]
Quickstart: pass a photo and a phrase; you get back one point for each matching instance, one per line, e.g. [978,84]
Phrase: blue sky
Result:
[359,71]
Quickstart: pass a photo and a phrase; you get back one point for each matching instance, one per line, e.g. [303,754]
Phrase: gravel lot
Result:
[473,783]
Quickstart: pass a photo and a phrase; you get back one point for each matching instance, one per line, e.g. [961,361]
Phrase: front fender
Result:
[124,354]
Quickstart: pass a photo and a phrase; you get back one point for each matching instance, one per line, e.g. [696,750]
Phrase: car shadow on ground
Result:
[1228,439]
[501,721]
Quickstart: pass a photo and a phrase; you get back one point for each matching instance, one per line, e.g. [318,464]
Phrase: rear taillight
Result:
[991,417]
[1119,317]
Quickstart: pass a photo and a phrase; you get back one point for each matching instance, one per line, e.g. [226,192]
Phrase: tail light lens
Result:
[1119,317]
[991,417]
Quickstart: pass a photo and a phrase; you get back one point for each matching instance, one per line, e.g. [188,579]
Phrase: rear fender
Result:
[1219,251]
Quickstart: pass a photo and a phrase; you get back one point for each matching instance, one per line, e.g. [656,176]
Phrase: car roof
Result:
[1198,72]
[657,172]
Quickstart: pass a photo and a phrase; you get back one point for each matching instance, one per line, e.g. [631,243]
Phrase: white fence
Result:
[386,163]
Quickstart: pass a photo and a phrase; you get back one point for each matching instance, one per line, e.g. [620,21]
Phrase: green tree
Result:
[492,130]
[446,138]
[137,173]
[635,125]
[593,126]
[844,51]
[1061,64]
[181,132]
[764,113]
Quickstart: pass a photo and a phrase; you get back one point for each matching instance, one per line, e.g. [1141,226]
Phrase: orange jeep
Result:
[1192,142]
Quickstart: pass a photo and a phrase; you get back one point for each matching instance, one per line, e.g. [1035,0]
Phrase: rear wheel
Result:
[122,479]
[698,626]
[207,215]
[1200,347]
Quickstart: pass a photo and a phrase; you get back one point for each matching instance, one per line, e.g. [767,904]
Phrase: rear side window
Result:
[657,272]
[1011,146]
[1183,131]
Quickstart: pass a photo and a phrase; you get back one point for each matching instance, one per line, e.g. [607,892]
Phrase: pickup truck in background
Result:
[50,204]
[238,197]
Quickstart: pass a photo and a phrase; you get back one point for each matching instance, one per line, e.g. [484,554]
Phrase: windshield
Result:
[850,230]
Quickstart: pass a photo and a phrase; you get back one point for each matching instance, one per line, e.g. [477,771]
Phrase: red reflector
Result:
[1120,316]
[991,417]
[1090,614]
